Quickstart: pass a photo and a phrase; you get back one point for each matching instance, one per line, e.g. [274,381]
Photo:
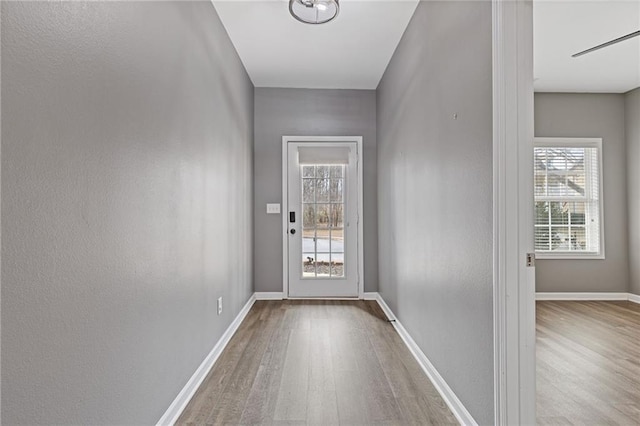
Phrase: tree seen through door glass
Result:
[322,190]
[323,221]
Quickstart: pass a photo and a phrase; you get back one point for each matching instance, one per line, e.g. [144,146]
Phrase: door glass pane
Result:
[323,207]
[308,265]
[337,252]
[337,240]
[336,218]
[308,216]
[308,171]
[337,264]
[322,171]
[308,190]
[337,171]
[308,242]
[335,190]
[322,269]
[323,214]
[322,190]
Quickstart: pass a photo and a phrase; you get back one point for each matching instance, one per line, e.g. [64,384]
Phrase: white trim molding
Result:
[269,295]
[370,296]
[450,398]
[179,404]
[594,296]
[513,208]
[588,197]
[285,204]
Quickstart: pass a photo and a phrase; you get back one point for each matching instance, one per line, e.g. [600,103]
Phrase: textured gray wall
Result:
[308,112]
[127,201]
[598,116]
[632,132]
[435,193]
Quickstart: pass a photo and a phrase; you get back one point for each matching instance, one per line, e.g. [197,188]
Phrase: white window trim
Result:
[587,143]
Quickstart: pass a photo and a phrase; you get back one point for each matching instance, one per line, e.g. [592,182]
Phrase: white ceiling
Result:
[562,28]
[351,52]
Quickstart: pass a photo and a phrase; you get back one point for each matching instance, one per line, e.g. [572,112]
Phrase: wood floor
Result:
[588,363]
[320,363]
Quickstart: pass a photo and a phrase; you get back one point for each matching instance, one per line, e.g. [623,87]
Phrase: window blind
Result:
[567,199]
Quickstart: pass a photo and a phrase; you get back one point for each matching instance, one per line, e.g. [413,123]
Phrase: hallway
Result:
[316,362]
[140,150]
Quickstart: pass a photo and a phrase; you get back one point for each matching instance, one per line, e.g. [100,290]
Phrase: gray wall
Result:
[127,200]
[435,193]
[632,132]
[308,112]
[598,116]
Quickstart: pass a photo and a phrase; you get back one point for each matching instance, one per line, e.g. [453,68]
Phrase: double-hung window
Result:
[568,198]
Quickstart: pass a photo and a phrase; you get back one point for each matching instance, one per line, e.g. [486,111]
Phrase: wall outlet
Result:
[219,305]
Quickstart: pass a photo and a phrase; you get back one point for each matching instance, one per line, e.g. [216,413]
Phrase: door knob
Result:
[293,231]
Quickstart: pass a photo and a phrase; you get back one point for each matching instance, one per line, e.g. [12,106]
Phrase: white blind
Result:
[323,155]
[567,199]
[593,203]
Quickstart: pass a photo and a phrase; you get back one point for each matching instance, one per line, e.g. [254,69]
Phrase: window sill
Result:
[569,256]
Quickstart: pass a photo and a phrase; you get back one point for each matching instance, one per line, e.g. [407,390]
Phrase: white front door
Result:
[322,219]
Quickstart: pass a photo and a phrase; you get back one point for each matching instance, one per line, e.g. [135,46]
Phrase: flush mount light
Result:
[314,11]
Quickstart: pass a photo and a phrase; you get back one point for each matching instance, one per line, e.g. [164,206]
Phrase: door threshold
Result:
[321,298]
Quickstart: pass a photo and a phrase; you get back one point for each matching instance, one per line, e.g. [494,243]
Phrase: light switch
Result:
[273,208]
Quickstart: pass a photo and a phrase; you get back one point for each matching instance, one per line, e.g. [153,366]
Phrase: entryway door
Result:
[321,218]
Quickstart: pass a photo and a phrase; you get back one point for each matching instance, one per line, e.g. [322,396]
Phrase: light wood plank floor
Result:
[588,363]
[316,362]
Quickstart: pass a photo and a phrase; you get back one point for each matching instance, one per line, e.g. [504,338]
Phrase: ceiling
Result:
[562,28]
[351,52]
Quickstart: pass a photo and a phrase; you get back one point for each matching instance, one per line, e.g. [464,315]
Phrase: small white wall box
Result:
[273,208]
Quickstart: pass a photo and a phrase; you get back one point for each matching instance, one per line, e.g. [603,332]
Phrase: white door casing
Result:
[322,260]
[514,281]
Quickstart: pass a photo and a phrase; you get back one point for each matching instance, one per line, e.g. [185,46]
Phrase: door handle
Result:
[293,231]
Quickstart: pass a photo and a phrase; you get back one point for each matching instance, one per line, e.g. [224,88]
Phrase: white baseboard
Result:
[278,295]
[269,295]
[450,398]
[634,298]
[370,296]
[583,296]
[179,404]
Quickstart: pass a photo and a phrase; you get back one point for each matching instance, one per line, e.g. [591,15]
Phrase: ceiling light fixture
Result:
[314,11]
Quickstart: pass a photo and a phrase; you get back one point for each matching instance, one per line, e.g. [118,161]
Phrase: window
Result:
[568,198]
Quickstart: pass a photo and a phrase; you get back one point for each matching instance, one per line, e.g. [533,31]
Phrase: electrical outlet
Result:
[219,305]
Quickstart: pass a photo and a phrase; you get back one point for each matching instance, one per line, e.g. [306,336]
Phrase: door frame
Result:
[285,205]
[514,281]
